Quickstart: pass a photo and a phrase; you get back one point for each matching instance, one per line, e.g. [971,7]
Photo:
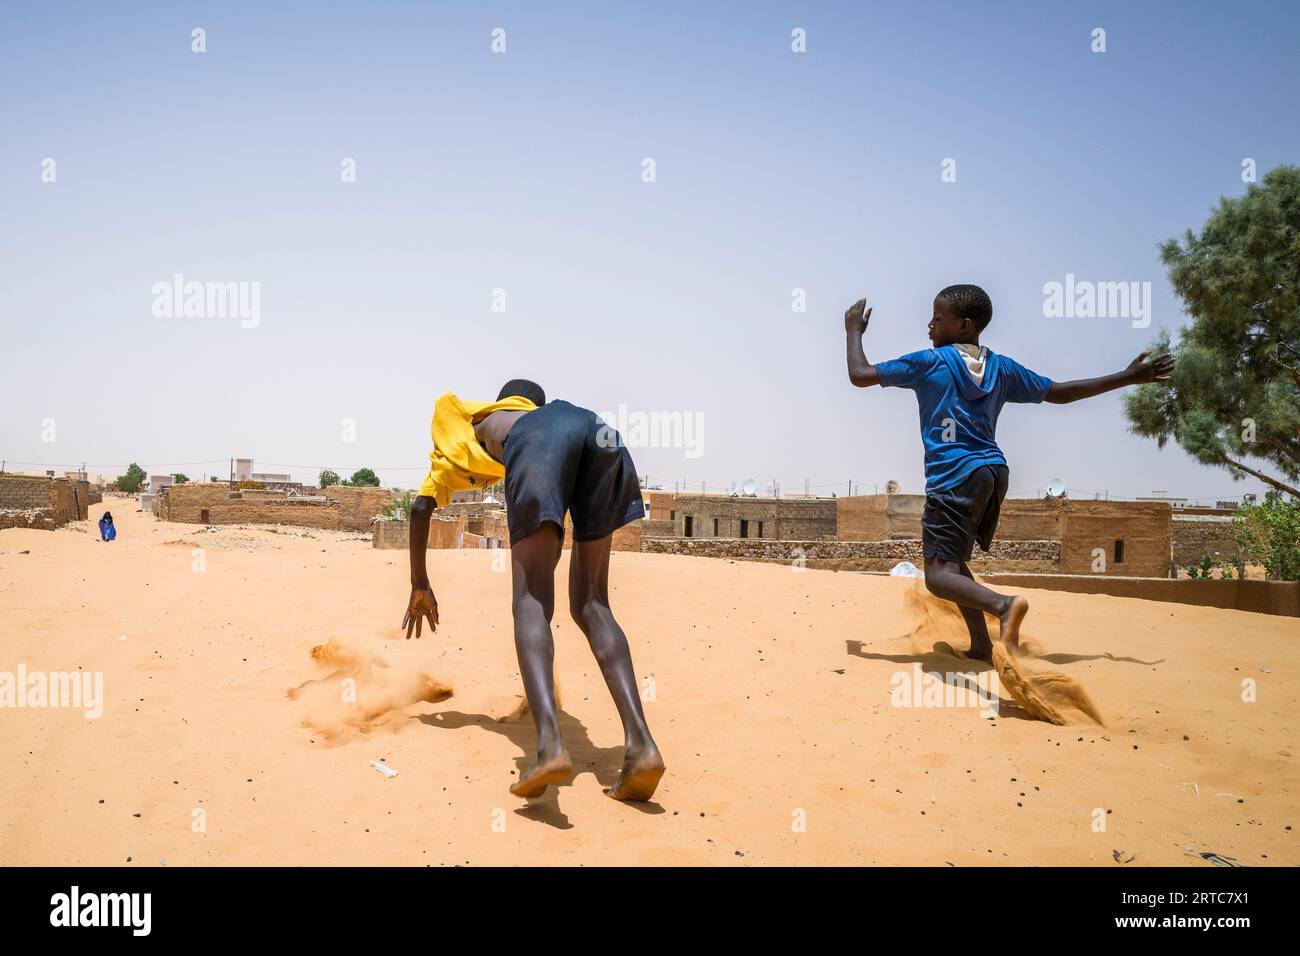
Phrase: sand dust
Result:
[1044,695]
[523,712]
[939,626]
[361,693]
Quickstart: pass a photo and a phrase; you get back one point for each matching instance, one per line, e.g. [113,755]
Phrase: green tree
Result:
[364,478]
[130,482]
[1234,398]
[328,478]
[179,478]
[1269,534]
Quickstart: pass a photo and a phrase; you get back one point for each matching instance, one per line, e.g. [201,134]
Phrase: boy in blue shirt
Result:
[960,388]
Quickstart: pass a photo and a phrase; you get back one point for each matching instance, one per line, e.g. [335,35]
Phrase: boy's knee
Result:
[586,614]
[936,573]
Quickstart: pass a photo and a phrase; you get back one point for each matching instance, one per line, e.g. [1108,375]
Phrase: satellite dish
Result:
[1056,488]
[751,487]
[1249,497]
[891,487]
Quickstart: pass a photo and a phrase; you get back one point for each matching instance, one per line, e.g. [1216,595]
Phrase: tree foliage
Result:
[130,482]
[1269,534]
[364,478]
[1234,399]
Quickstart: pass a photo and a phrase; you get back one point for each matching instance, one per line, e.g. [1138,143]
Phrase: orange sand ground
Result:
[768,710]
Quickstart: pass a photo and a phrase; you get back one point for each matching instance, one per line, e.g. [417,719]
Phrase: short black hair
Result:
[524,389]
[970,302]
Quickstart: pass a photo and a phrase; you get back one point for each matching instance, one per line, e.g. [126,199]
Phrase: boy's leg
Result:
[589,605]
[981,647]
[532,565]
[952,581]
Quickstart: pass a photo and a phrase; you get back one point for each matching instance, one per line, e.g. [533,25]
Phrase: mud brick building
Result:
[33,501]
[778,519]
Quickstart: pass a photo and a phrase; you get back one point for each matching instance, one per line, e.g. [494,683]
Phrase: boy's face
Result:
[945,328]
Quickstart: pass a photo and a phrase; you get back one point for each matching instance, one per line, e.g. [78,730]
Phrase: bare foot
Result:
[640,776]
[542,774]
[982,653]
[1011,617]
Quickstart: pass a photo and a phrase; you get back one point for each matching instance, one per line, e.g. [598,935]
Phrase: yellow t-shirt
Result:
[458,462]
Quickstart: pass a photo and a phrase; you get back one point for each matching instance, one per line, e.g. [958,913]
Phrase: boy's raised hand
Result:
[423,605]
[1146,369]
[857,316]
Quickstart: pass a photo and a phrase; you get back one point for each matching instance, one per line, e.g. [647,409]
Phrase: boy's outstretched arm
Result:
[861,372]
[422,605]
[1141,369]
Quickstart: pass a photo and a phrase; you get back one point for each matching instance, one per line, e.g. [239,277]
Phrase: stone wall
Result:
[1196,537]
[1022,556]
[39,518]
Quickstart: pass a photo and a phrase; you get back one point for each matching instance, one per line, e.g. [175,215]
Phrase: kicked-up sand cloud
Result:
[360,693]
[1044,695]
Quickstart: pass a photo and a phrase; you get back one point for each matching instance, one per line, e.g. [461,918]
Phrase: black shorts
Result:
[562,458]
[954,519]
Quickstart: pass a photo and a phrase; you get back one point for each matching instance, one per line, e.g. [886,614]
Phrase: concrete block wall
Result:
[26,492]
[358,506]
[392,534]
[53,502]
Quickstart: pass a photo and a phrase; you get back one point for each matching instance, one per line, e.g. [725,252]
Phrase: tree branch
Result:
[1295,492]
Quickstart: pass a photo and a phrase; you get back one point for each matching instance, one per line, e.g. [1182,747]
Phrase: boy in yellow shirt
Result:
[555,458]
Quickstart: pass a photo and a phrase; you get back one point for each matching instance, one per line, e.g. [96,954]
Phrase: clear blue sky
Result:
[522,171]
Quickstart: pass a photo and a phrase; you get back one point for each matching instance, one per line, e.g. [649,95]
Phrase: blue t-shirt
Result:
[958,417]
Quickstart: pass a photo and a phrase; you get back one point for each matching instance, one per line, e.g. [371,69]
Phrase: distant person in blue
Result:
[961,387]
[106,530]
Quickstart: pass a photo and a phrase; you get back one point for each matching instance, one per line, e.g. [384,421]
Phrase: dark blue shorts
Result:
[956,518]
[562,458]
